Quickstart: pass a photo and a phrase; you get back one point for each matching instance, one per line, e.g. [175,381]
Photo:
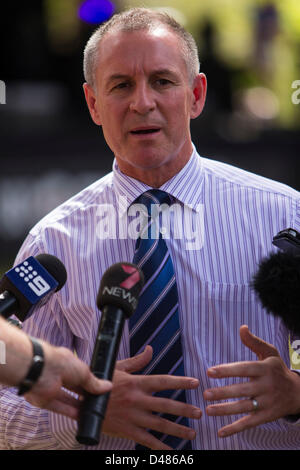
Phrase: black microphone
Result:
[117,298]
[277,283]
[30,284]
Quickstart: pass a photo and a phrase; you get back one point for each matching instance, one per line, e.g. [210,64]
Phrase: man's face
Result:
[144,102]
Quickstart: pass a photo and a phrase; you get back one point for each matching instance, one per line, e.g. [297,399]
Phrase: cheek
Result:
[111,122]
[110,112]
[179,108]
[179,119]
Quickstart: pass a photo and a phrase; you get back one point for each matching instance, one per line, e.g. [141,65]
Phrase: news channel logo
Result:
[32,278]
[2,92]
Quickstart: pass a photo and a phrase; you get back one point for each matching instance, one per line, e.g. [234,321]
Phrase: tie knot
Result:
[154,196]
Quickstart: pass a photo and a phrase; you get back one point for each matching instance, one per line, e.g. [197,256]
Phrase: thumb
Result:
[97,386]
[260,347]
[135,363]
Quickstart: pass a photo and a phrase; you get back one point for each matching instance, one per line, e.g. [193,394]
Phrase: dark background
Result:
[50,149]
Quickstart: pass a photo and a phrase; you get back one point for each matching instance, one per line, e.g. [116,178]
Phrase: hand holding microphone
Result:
[25,287]
[61,369]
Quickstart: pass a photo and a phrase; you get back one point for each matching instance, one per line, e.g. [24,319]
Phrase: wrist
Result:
[35,368]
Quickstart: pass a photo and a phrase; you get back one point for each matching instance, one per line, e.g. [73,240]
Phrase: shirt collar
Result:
[185,186]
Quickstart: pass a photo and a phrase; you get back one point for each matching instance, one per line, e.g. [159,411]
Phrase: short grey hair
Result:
[137,19]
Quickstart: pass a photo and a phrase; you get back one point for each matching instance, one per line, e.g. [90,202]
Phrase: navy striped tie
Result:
[156,320]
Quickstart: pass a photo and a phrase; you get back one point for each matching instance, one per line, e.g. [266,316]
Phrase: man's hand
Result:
[271,383]
[131,404]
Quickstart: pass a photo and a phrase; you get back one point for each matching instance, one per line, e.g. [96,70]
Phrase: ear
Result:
[199,95]
[91,101]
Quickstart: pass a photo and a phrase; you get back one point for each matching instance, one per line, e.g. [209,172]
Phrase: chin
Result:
[150,160]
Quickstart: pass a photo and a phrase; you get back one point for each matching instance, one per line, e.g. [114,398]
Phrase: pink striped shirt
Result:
[239,213]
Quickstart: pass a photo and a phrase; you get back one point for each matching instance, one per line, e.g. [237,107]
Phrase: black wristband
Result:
[35,368]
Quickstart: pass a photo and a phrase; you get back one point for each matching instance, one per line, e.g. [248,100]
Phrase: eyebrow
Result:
[116,76]
[119,76]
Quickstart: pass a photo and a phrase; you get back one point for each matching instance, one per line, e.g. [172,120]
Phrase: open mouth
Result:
[145,131]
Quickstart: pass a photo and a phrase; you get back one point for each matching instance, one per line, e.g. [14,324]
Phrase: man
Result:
[60,368]
[143,87]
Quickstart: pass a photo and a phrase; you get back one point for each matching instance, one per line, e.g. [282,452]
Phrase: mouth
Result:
[145,131]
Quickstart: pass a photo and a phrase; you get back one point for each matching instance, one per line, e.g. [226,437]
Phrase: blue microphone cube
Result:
[30,282]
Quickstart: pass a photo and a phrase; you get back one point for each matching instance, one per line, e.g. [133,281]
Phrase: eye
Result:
[163,81]
[121,86]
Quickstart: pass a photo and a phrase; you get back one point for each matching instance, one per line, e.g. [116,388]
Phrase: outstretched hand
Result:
[131,404]
[271,383]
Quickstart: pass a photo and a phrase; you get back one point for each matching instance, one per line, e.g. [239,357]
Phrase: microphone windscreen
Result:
[55,267]
[120,286]
[277,284]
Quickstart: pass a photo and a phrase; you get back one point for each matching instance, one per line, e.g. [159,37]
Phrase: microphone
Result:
[277,283]
[30,284]
[117,298]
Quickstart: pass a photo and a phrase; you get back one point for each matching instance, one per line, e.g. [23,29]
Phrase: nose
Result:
[142,101]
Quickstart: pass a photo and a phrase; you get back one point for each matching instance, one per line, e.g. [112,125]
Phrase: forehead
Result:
[132,52]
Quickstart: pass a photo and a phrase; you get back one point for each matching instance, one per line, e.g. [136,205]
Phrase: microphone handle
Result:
[93,407]
[8,304]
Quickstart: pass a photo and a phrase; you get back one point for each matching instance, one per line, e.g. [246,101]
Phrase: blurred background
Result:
[49,147]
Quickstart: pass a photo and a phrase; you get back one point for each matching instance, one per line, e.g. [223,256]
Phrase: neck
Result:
[156,176]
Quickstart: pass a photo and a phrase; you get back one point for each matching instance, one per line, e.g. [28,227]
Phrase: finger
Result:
[136,363]
[63,405]
[61,396]
[164,426]
[66,398]
[157,383]
[242,424]
[97,386]
[144,438]
[246,389]
[260,347]
[172,407]
[231,408]
[63,409]
[148,440]
[236,369]
[93,385]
